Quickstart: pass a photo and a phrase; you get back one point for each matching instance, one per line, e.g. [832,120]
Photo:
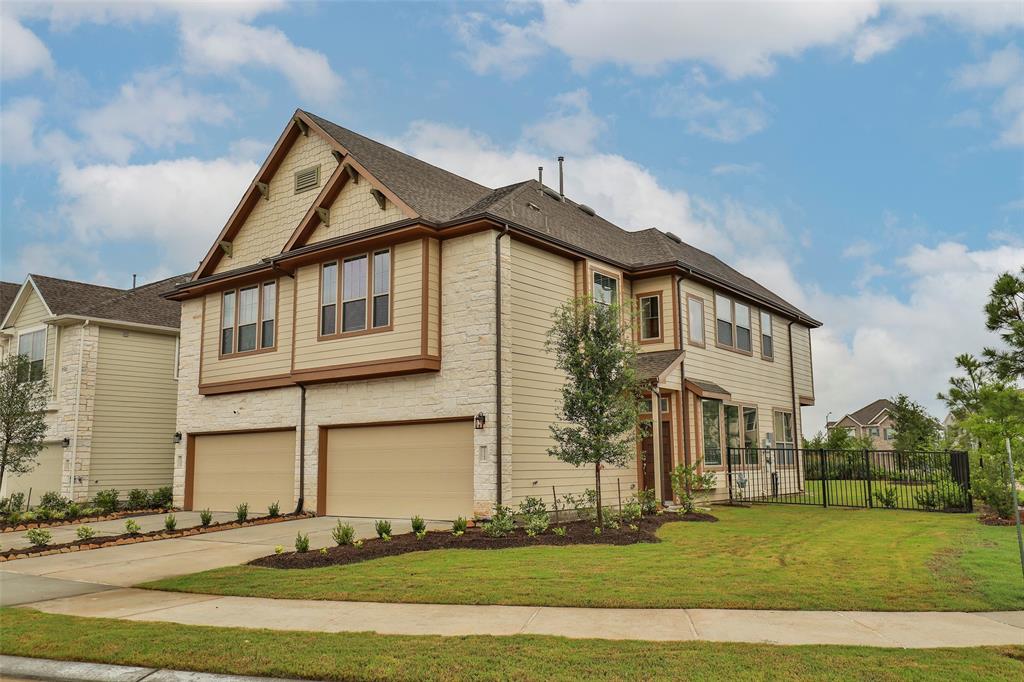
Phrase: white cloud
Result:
[718,119]
[177,205]
[154,110]
[21,142]
[1003,71]
[737,169]
[22,53]
[861,248]
[572,128]
[498,46]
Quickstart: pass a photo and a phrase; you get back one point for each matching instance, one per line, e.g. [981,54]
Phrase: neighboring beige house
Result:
[109,357]
[873,420]
[356,329]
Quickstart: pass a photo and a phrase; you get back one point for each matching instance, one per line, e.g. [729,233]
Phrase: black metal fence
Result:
[883,479]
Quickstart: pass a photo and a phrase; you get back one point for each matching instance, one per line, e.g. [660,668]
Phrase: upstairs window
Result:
[874,431]
[227,324]
[767,349]
[353,301]
[33,346]
[606,289]
[381,289]
[328,299]
[364,291]
[248,319]
[695,320]
[650,318]
[269,315]
[723,317]
[248,314]
[732,324]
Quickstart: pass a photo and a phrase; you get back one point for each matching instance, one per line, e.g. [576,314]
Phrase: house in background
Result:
[109,356]
[366,337]
[873,420]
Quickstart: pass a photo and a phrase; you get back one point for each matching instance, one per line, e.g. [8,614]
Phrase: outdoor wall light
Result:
[66,442]
[479,420]
[177,437]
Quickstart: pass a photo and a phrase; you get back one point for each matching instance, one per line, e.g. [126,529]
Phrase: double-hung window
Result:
[750,434]
[712,431]
[33,346]
[695,320]
[732,324]
[767,348]
[363,289]
[248,319]
[606,289]
[784,440]
[650,317]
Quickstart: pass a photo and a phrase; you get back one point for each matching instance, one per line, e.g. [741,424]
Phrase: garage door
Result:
[256,468]
[44,478]
[398,471]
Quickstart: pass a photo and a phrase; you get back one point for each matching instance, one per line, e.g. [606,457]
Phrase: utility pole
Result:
[1016,505]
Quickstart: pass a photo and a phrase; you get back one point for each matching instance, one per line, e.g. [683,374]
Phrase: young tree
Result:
[22,416]
[963,397]
[915,429]
[1000,415]
[601,398]
[1004,313]
[838,439]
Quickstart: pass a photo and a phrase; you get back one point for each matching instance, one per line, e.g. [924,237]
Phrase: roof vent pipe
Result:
[561,177]
[540,174]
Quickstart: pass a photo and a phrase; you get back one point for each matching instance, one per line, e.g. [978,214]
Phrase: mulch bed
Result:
[6,527]
[129,539]
[993,520]
[576,533]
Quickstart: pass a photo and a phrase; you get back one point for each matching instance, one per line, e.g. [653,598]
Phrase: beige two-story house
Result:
[873,421]
[366,336]
[109,358]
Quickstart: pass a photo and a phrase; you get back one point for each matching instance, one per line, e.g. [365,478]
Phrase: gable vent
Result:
[307,179]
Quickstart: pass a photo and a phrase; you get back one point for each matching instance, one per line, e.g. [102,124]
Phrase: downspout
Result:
[792,385]
[497,355]
[78,410]
[302,449]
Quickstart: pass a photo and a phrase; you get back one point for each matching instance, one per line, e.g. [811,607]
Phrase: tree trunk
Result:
[597,482]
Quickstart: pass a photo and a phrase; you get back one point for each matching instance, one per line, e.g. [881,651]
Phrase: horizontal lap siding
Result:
[354,209]
[663,286]
[434,300]
[134,416]
[540,283]
[253,365]
[405,338]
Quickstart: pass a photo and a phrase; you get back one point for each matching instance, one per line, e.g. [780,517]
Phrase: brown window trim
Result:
[606,273]
[732,303]
[741,406]
[760,325]
[703,321]
[339,301]
[721,435]
[259,321]
[660,338]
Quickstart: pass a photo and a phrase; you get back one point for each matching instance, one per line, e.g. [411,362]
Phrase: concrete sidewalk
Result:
[909,630]
[21,668]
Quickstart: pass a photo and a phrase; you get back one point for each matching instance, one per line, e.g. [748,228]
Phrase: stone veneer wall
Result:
[62,421]
[464,386]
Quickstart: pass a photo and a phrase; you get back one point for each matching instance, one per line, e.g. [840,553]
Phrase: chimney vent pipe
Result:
[561,177]
[540,174]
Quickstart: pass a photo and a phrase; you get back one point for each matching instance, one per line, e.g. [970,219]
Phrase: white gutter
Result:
[119,324]
[78,410]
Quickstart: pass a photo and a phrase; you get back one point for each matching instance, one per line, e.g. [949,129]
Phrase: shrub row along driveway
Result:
[147,522]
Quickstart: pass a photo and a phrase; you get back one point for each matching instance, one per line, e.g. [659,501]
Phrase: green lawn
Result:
[855,493]
[364,656]
[767,557]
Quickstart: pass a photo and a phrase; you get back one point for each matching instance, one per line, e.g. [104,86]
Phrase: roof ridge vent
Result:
[673,237]
[586,209]
[551,193]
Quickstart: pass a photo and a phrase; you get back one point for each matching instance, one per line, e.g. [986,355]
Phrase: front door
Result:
[647,449]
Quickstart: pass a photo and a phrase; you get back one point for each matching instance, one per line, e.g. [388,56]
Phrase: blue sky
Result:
[864,160]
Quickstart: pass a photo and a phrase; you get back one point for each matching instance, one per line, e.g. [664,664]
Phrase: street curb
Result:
[74,671]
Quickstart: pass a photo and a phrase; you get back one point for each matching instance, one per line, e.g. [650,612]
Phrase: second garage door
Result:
[400,470]
[257,468]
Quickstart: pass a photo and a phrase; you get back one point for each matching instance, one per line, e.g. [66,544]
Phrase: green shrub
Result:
[343,533]
[242,511]
[161,498]
[302,542]
[647,500]
[383,527]
[888,497]
[632,511]
[43,514]
[559,531]
[137,499]
[54,502]
[85,532]
[39,537]
[990,482]
[323,551]
[278,549]
[131,526]
[418,524]
[459,526]
[535,516]
[13,504]
[501,523]
[106,501]
[170,523]
[537,525]
[691,487]
[206,517]
[73,511]
[274,510]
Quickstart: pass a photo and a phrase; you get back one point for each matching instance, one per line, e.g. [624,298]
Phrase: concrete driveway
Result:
[64,575]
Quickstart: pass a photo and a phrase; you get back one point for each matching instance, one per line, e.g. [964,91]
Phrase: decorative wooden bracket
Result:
[226,247]
[264,189]
[338,156]
[353,174]
[302,126]
[325,215]
[382,200]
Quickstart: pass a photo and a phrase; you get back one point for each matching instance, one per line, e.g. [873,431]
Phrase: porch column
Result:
[656,443]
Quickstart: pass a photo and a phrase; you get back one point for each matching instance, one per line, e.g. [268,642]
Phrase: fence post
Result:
[824,478]
[728,471]
[867,476]
[554,499]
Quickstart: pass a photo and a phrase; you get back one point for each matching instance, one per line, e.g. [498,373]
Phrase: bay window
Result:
[364,291]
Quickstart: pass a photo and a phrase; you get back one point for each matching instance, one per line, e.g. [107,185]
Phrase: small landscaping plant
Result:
[274,510]
[323,551]
[302,542]
[459,526]
[161,498]
[501,523]
[559,531]
[242,512]
[279,549]
[343,533]
[137,499]
[106,501]
[85,532]
[132,527]
[74,510]
[691,487]
[631,512]
[418,524]
[888,497]
[205,517]
[54,503]
[383,527]
[39,537]
[170,523]
[13,504]
[647,500]
[535,516]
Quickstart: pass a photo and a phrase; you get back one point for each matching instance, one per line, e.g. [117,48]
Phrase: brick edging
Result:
[126,539]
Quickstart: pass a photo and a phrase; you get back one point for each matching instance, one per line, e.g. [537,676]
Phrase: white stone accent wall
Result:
[75,340]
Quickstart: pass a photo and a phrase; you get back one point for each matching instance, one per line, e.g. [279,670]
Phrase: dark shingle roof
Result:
[8,290]
[865,414]
[649,366]
[67,297]
[141,305]
[441,196]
